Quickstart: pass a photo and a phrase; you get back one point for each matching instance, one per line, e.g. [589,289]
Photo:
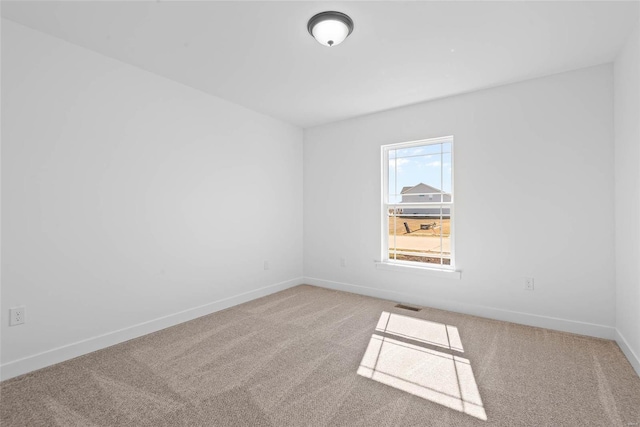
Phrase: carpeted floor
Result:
[312,356]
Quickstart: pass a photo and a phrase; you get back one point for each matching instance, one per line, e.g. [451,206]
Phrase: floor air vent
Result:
[407,307]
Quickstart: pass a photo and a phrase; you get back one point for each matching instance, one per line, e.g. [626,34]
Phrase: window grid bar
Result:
[420,205]
[395,218]
[423,154]
[441,199]
[420,194]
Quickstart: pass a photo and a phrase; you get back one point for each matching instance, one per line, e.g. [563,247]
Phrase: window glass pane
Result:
[446,174]
[446,147]
[418,177]
[420,235]
[394,192]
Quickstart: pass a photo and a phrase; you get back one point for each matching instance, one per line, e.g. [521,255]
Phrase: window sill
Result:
[434,272]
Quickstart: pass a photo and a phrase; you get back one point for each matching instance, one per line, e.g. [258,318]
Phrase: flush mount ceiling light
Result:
[330,28]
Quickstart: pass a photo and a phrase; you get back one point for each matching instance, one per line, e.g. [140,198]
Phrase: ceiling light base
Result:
[330,28]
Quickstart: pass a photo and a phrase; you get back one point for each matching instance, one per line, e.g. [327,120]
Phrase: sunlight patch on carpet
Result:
[414,367]
[424,331]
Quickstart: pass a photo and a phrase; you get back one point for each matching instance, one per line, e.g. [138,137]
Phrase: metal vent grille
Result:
[407,307]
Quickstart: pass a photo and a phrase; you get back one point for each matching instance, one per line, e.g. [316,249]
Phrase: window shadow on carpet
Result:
[406,353]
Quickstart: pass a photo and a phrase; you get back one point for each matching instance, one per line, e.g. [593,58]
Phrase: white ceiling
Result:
[259,54]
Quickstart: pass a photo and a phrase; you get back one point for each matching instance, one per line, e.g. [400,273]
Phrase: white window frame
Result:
[385,206]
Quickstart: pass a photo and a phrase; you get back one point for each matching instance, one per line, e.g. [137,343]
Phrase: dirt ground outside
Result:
[415,223]
[427,260]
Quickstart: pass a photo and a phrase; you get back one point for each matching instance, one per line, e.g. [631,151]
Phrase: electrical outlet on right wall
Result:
[16,316]
[528,283]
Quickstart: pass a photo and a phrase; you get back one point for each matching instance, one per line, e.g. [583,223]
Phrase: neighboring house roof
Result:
[420,188]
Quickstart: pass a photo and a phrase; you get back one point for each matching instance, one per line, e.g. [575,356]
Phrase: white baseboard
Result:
[565,325]
[626,349]
[69,351]
[66,352]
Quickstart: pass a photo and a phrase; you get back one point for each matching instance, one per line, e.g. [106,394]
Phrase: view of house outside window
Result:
[418,202]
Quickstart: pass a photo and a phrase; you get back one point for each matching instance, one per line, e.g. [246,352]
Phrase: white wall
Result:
[544,148]
[128,197]
[627,197]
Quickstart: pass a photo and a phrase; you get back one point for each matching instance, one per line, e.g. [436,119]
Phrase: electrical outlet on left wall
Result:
[16,316]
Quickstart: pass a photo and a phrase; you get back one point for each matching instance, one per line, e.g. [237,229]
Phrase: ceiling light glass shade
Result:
[330,28]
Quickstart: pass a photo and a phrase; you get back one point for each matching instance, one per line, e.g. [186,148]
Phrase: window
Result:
[418,230]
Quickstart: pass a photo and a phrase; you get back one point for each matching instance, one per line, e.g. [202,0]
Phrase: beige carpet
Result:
[311,356]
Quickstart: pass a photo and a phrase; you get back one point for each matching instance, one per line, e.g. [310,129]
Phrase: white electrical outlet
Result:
[343,262]
[266,265]
[16,316]
[528,283]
